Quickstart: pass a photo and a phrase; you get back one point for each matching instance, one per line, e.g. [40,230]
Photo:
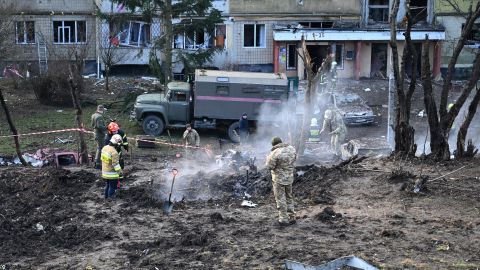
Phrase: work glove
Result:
[120,175]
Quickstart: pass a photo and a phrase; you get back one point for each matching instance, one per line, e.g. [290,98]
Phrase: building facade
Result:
[258,36]
[51,30]
[453,19]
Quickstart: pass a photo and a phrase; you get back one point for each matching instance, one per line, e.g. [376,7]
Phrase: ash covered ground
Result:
[57,219]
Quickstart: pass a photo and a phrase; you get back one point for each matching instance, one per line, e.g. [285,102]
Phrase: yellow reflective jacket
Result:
[110,163]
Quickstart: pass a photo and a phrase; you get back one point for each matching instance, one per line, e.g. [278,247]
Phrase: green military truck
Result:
[216,100]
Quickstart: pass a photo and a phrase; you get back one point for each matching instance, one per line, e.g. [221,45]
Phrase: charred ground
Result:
[57,219]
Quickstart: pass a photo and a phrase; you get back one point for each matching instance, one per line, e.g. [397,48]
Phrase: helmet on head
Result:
[116,139]
[276,140]
[313,123]
[328,114]
[113,127]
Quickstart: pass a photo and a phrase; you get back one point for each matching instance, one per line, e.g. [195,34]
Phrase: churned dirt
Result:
[57,219]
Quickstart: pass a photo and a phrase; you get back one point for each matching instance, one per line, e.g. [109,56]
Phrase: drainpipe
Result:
[358,46]
[437,56]
[276,49]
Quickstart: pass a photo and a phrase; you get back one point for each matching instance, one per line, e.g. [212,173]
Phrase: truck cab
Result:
[156,112]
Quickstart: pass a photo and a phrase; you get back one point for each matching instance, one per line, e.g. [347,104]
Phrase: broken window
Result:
[220,36]
[254,35]
[192,41]
[291,56]
[378,10]
[326,24]
[474,36]
[25,32]
[418,9]
[69,32]
[132,34]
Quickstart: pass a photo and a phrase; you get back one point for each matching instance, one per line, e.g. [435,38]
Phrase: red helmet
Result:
[113,127]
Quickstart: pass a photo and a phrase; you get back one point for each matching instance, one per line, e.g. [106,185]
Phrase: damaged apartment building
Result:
[451,15]
[267,35]
[47,31]
[258,36]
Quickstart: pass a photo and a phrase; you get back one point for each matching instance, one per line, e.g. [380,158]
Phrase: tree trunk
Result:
[462,132]
[167,68]
[13,129]
[404,132]
[438,141]
[107,77]
[78,118]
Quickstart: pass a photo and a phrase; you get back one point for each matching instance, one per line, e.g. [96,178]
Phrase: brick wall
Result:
[246,55]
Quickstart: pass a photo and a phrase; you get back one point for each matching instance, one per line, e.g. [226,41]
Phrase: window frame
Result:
[137,43]
[216,34]
[387,7]
[206,37]
[58,30]
[25,33]
[255,36]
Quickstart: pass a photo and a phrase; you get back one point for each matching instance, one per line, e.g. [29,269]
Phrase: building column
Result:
[276,55]
[437,60]
[356,72]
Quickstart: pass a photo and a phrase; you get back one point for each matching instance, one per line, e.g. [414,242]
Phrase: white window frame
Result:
[288,57]
[140,33]
[255,36]
[25,32]
[62,29]
[195,46]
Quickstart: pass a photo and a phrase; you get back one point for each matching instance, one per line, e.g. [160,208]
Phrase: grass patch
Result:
[44,118]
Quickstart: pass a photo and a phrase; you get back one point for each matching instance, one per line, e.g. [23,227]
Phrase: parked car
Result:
[365,146]
[353,108]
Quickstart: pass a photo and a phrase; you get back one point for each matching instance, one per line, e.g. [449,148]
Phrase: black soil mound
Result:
[39,211]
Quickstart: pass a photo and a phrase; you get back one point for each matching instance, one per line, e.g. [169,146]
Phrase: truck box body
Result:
[228,94]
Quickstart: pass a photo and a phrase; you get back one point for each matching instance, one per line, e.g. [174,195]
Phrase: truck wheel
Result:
[153,125]
[233,132]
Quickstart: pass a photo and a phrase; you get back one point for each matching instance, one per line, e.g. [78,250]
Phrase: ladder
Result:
[42,56]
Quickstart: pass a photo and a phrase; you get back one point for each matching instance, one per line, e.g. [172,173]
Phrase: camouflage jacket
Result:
[191,138]
[336,124]
[280,163]
[98,124]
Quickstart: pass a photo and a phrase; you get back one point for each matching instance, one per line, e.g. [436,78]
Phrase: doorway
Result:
[408,63]
[379,61]
[318,53]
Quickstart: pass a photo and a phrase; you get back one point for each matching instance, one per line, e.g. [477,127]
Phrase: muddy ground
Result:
[57,219]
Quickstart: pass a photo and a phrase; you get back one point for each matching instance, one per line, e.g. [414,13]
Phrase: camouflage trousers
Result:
[284,198]
[336,142]
[100,144]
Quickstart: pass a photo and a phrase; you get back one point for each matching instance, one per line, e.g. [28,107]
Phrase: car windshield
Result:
[348,99]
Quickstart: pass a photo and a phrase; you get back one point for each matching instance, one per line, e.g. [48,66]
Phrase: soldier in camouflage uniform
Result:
[280,163]
[192,139]
[98,124]
[333,121]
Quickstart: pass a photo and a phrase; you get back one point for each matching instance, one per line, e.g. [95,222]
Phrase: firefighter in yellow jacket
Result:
[111,170]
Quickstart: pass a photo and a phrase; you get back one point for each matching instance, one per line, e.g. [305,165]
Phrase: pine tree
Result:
[186,17]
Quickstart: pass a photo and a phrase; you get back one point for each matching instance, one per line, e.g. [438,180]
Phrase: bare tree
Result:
[72,61]
[441,119]
[7,29]
[13,129]
[110,44]
[313,78]
[404,132]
